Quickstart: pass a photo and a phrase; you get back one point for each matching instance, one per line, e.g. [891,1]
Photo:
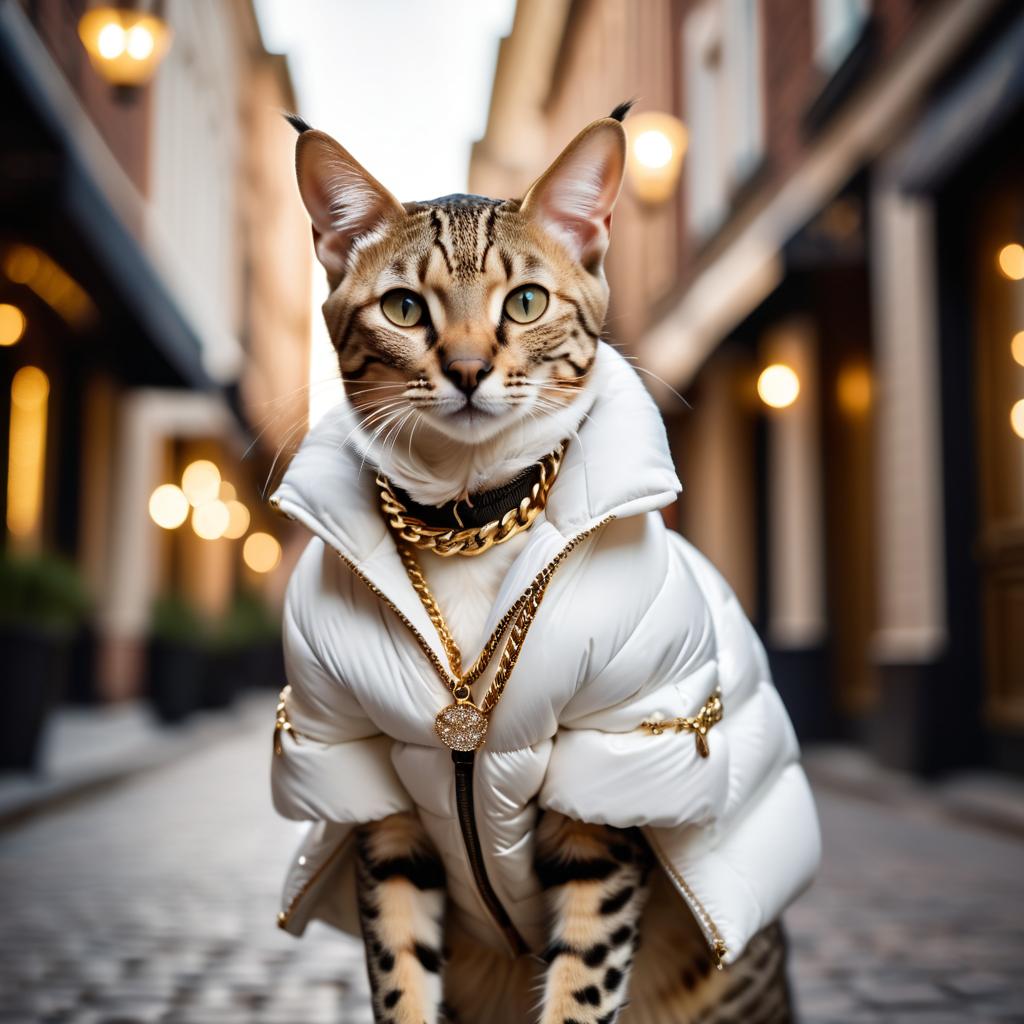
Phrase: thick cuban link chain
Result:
[474,540]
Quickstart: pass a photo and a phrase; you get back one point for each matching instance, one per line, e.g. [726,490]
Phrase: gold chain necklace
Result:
[474,540]
[462,725]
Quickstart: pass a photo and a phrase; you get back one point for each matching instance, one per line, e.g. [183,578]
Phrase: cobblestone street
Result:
[155,901]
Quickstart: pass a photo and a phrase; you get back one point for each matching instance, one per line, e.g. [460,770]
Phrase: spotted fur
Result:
[622,946]
[401,907]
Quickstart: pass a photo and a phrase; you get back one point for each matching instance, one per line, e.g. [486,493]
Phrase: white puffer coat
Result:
[636,626]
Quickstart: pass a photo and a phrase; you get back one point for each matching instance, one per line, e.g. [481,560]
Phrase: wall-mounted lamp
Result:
[657,145]
[125,46]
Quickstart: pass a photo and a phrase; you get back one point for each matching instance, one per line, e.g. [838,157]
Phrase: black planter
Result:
[263,666]
[36,665]
[82,687]
[176,676]
[222,679]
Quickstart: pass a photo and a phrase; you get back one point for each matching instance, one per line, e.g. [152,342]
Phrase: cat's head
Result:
[466,314]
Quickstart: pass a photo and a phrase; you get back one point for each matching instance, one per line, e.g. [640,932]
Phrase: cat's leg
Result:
[401,890]
[595,878]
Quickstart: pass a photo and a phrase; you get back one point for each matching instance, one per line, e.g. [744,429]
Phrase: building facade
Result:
[848,215]
[157,256]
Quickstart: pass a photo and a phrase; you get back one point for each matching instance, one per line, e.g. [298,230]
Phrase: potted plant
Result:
[248,646]
[177,658]
[43,603]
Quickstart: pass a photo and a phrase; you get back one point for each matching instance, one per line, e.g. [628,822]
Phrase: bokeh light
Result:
[778,386]
[238,520]
[12,324]
[853,388]
[26,464]
[201,482]
[210,520]
[1017,417]
[168,506]
[261,552]
[1011,261]
[1017,347]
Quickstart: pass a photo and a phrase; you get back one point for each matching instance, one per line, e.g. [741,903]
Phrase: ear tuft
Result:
[573,199]
[620,112]
[297,122]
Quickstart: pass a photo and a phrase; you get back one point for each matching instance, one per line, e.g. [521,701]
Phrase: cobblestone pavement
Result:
[155,901]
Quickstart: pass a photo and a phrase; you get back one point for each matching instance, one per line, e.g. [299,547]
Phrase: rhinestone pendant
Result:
[461,726]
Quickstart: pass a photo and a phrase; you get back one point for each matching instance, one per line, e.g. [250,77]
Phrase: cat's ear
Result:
[344,201]
[574,197]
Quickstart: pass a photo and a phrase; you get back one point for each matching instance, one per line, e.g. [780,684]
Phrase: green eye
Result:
[525,304]
[403,308]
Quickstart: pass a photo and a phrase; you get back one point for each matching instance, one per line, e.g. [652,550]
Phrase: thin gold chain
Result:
[474,540]
[517,621]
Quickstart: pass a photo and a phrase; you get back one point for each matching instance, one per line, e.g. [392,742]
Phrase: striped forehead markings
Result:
[435,223]
[488,236]
[464,229]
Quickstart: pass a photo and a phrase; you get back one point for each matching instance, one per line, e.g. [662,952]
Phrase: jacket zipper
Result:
[712,935]
[464,763]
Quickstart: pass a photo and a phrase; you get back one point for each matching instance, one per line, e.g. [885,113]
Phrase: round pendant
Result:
[461,726]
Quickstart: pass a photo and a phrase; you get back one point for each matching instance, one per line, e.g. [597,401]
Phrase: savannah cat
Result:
[441,346]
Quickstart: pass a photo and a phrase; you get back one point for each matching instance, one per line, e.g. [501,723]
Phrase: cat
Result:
[468,337]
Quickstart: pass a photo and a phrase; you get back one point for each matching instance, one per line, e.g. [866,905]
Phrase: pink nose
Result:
[466,374]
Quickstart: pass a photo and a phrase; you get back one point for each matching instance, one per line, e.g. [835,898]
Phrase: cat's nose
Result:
[467,374]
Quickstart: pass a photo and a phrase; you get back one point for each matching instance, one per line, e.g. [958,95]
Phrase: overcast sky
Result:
[404,85]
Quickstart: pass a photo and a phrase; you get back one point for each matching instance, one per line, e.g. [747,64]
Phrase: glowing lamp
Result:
[657,145]
[778,386]
[261,552]
[124,46]
[168,506]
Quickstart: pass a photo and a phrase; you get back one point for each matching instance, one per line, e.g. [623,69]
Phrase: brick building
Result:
[849,210]
[155,254]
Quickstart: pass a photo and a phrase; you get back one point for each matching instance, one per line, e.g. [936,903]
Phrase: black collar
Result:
[481,509]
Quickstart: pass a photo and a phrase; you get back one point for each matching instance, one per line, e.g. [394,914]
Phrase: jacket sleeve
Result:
[685,645]
[330,762]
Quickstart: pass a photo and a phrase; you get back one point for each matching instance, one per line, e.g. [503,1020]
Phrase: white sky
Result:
[404,85]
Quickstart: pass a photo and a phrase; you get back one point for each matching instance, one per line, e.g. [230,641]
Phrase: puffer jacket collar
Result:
[618,466]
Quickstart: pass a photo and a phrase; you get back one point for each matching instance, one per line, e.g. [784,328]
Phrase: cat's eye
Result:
[526,304]
[403,308]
